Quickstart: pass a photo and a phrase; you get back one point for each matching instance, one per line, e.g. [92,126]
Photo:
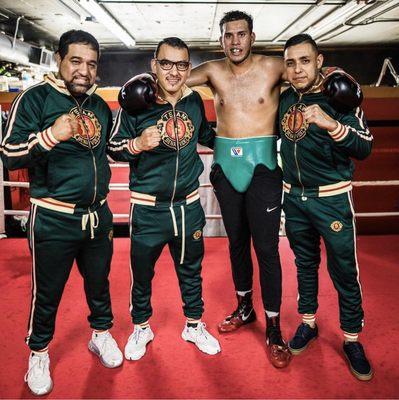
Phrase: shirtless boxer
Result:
[245,174]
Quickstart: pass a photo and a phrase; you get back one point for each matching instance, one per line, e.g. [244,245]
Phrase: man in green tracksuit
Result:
[160,143]
[58,130]
[317,144]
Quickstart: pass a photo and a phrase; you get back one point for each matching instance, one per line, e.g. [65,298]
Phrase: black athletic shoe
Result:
[242,315]
[303,336]
[278,352]
[358,363]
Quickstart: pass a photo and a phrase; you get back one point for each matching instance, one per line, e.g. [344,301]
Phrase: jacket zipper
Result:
[175,128]
[80,109]
[315,86]
[295,152]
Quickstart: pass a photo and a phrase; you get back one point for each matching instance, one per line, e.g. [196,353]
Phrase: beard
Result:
[77,89]
[310,85]
[305,88]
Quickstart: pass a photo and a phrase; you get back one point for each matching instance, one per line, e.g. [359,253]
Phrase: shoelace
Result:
[38,366]
[301,332]
[239,310]
[355,349]
[275,336]
[106,343]
[202,332]
[137,333]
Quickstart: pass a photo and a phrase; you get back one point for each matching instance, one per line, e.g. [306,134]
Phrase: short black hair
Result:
[77,36]
[172,41]
[301,38]
[237,16]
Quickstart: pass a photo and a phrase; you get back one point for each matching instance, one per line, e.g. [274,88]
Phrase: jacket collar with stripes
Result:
[59,85]
[186,91]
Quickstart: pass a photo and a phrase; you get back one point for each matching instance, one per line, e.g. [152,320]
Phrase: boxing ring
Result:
[173,369]
[376,184]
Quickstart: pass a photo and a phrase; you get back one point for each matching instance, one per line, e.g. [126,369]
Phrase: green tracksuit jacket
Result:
[75,171]
[312,157]
[171,170]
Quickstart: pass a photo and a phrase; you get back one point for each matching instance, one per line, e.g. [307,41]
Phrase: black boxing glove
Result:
[342,91]
[138,93]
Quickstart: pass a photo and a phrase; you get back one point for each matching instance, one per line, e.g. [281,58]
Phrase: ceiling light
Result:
[93,8]
[336,18]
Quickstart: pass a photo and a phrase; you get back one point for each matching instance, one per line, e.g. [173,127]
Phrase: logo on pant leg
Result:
[111,235]
[336,226]
[197,235]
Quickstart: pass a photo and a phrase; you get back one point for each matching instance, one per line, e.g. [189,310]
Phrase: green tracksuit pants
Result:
[56,240]
[153,227]
[332,218]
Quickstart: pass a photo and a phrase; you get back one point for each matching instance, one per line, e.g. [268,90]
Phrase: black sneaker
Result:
[242,315]
[278,352]
[303,336]
[358,363]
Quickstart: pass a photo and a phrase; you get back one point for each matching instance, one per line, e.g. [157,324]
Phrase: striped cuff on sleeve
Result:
[132,146]
[47,139]
[339,133]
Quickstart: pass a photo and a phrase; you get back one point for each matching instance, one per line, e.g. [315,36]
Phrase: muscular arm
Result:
[199,75]
[280,68]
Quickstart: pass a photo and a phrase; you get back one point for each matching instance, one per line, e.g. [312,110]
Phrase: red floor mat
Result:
[173,368]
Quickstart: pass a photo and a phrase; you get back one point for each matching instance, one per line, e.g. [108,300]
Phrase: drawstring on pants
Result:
[183,234]
[94,220]
[172,211]
[176,232]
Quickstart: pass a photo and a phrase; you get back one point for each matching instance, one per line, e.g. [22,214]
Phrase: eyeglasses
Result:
[167,65]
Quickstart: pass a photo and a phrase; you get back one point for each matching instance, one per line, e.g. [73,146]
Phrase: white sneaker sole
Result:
[42,391]
[135,356]
[93,348]
[205,349]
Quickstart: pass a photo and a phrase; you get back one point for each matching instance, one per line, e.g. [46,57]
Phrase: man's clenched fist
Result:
[64,127]
[315,115]
[149,139]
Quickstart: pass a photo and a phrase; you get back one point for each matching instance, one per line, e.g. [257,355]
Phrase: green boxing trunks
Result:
[239,157]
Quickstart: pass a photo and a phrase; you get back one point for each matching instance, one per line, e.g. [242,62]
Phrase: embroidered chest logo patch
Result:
[336,226]
[236,152]
[294,124]
[89,128]
[183,129]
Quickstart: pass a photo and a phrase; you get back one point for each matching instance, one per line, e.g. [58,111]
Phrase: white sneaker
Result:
[136,344]
[38,376]
[104,345]
[201,338]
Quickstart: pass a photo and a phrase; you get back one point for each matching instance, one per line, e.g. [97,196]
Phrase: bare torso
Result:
[245,97]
